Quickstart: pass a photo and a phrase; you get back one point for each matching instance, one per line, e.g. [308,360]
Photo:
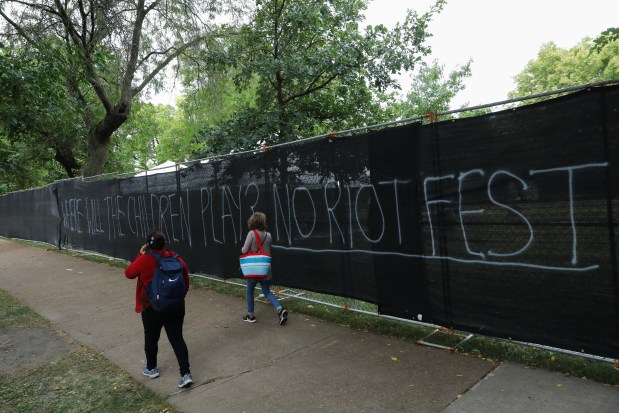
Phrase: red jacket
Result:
[143,267]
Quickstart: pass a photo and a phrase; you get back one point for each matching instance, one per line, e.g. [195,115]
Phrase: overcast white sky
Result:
[500,36]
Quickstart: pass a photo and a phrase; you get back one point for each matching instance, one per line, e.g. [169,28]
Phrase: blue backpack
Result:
[166,292]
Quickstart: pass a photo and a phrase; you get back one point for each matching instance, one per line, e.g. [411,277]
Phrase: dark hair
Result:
[156,240]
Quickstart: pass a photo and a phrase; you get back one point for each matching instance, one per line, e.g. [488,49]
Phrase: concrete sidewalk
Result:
[304,366]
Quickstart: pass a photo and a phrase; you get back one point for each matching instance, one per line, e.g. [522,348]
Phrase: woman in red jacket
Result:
[143,268]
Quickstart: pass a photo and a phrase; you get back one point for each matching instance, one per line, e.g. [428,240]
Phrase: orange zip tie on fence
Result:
[432,116]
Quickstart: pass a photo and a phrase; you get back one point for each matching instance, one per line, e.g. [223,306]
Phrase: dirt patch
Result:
[29,346]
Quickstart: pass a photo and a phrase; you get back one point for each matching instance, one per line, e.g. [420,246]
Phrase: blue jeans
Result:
[266,290]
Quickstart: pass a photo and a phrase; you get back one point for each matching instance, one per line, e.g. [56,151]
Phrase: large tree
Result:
[115,50]
[316,69]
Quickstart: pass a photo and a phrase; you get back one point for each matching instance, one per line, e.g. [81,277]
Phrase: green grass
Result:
[114,262]
[501,350]
[90,256]
[79,380]
[15,314]
[488,348]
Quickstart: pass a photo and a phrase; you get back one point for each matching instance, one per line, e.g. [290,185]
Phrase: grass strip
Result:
[79,380]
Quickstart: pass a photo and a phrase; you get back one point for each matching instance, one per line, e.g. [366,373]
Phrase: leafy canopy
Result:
[116,49]
[557,68]
[432,90]
[314,70]
[38,118]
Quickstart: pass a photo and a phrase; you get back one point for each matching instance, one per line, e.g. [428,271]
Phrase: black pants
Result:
[173,324]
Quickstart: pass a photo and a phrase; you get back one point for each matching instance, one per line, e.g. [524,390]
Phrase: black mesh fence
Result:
[502,224]
[31,215]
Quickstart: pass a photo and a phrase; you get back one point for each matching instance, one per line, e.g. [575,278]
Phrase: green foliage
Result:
[212,97]
[431,90]
[108,52]
[211,108]
[314,69]
[22,167]
[294,70]
[154,134]
[37,118]
[606,37]
[557,68]
[133,144]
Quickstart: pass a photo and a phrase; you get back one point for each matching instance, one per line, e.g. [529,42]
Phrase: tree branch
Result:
[163,64]
[311,88]
[84,22]
[20,31]
[127,93]
[153,53]
[93,77]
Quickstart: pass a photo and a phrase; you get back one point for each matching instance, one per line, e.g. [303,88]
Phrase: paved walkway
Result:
[305,366]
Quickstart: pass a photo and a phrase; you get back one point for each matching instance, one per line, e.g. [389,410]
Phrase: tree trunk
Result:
[99,139]
[64,156]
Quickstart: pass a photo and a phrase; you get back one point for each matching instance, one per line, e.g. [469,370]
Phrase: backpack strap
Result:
[155,254]
[259,242]
[159,257]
